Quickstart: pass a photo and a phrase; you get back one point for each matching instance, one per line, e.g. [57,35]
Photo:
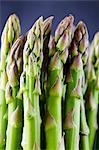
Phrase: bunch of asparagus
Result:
[49,86]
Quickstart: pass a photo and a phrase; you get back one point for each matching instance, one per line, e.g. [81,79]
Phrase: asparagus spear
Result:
[97,137]
[58,53]
[74,86]
[30,80]
[47,30]
[10,34]
[92,93]
[84,129]
[14,70]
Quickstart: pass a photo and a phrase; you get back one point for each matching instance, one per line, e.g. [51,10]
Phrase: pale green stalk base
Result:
[3,119]
[31,132]
[53,128]
[14,138]
[84,141]
[92,120]
[72,132]
[14,129]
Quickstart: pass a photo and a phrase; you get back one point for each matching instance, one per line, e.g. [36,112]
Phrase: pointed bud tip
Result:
[51,44]
[47,25]
[48,20]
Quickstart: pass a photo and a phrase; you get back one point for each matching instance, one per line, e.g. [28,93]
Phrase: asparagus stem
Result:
[10,34]
[14,68]
[84,129]
[84,143]
[92,92]
[58,52]
[92,115]
[97,137]
[74,93]
[33,57]
[47,30]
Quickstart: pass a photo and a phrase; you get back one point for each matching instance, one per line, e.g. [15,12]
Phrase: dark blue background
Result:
[29,11]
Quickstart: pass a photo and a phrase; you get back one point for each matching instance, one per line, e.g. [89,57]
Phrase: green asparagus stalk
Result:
[30,80]
[92,93]
[10,33]
[58,53]
[47,30]
[97,137]
[74,95]
[14,70]
[84,129]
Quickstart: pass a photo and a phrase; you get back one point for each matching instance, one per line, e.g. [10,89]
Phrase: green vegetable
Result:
[92,93]
[10,33]
[14,70]
[74,93]
[58,53]
[47,30]
[30,80]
